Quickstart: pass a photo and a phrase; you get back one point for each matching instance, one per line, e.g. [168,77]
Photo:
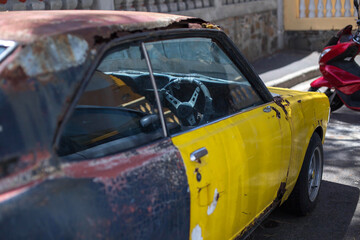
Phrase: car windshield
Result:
[199,56]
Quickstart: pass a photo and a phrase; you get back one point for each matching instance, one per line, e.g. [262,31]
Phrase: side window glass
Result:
[117,110]
[198,82]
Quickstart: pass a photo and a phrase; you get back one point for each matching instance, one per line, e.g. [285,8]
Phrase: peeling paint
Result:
[212,206]
[20,27]
[29,169]
[52,55]
[280,102]
[196,233]
[278,115]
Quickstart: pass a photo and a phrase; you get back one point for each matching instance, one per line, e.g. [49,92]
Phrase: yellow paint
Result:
[293,22]
[102,137]
[247,161]
[117,81]
[248,157]
[309,111]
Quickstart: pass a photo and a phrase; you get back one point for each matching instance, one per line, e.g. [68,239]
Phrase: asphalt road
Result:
[337,215]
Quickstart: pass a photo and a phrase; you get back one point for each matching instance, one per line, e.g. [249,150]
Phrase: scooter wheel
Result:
[335,104]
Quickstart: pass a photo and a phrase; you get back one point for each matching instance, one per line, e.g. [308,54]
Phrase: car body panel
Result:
[307,113]
[123,195]
[253,177]
[253,160]
[85,23]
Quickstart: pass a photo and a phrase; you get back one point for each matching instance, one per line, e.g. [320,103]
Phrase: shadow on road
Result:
[330,219]
[341,148]
[346,116]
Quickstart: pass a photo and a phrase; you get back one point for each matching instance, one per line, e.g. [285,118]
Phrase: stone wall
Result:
[17,5]
[307,40]
[254,34]
[253,26]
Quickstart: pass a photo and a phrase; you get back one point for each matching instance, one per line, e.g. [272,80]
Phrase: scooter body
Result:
[340,72]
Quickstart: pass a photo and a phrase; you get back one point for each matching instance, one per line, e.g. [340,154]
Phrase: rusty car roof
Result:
[27,26]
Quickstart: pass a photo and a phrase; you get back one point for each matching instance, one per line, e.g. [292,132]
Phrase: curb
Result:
[295,78]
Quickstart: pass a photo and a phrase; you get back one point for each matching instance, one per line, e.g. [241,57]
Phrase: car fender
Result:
[307,112]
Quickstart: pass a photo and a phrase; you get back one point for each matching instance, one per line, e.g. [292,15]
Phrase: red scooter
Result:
[340,79]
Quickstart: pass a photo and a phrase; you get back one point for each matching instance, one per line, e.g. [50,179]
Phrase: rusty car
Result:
[131,125]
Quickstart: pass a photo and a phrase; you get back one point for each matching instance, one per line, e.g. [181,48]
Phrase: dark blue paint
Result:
[148,202]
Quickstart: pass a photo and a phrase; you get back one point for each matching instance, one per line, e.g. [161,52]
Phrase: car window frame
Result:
[102,53]
[229,48]
[223,41]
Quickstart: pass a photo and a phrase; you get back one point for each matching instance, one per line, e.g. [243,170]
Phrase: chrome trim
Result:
[356,38]
[10,46]
[197,154]
[274,94]
[162,118]
[267,109]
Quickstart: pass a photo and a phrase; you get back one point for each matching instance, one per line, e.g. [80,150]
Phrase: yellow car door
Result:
[241,173]
[235,143]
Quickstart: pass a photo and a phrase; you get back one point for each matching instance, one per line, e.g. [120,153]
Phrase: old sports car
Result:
[129,125]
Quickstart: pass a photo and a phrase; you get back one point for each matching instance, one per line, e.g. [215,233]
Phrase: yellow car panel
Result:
[254,157]
[307,112]
[241,175]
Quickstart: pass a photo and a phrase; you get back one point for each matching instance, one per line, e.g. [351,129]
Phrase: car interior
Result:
[118,109]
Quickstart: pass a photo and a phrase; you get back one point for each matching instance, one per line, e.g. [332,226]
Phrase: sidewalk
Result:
[288,68]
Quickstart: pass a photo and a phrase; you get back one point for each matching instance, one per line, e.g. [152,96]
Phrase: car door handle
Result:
[196,155]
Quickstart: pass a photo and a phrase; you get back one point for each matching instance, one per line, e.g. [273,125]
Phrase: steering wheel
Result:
[187,111]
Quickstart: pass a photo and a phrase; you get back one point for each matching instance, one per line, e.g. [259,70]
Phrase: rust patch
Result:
[27,169]
[278,115]
[28,27]
[194,26]
[125,182]
[100,39]
[108,166]
[111,166]
[42,60]
[282,103]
